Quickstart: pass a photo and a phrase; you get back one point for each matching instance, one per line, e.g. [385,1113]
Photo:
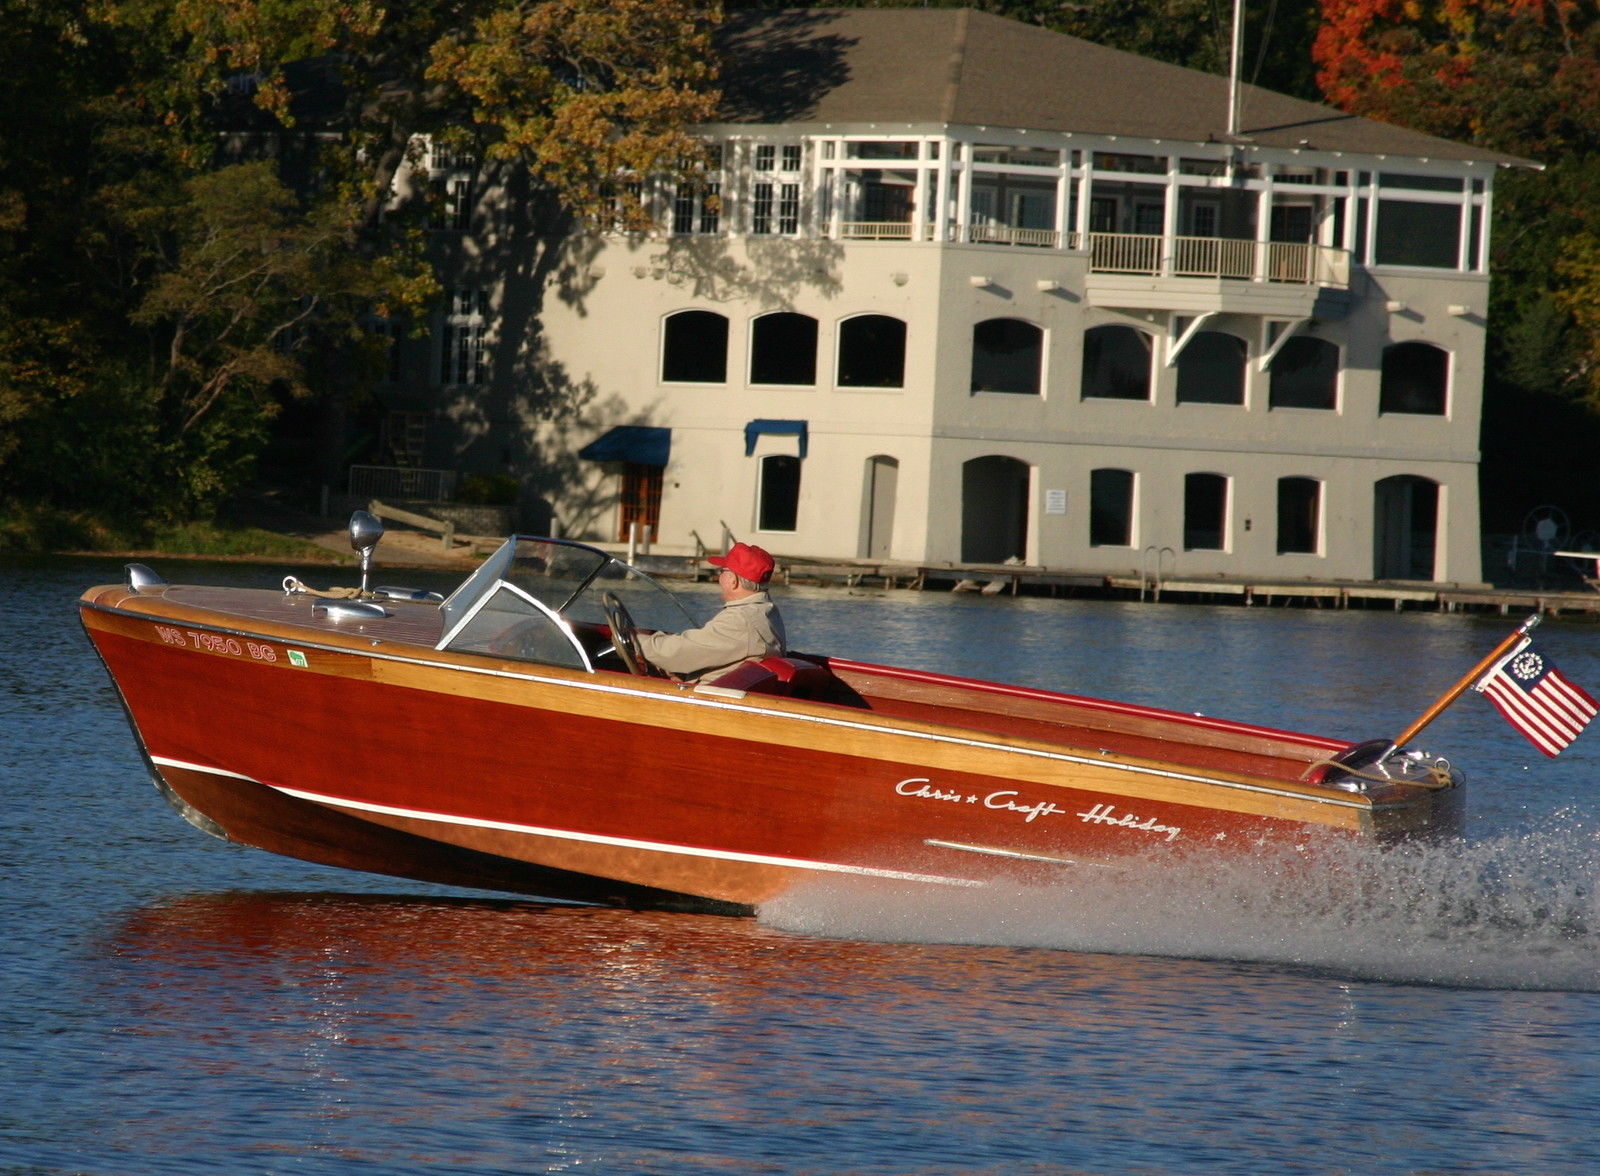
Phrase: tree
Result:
[166,292]
[577,91]
[251,284]
[1521,77]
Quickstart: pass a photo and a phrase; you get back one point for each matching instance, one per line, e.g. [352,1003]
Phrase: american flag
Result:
[1536,699]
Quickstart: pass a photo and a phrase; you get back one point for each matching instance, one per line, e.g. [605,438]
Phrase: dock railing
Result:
[1144,569]
[372,481]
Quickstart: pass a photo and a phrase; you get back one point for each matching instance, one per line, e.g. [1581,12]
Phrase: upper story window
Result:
[775,192]
[1427,235]
[694,348]
[451,185]
[783,349]
[1416,379]
[1145,164]
[1211,369]
[697,207]
[872,352]
[774,209]
[1305,374]
[452,204]
[1420,221]
[1007,356]
[463,337]
[1116,363]
[628,203]
[880,149]
[697,198]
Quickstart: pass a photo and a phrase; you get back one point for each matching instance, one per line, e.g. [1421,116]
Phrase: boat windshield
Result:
[538,589]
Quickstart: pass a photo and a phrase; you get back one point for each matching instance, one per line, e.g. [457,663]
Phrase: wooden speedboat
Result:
[498,739]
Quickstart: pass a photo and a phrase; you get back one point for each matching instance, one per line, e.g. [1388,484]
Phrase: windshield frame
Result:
[458,609]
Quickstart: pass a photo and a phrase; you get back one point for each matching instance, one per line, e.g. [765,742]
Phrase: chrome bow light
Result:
[365,531]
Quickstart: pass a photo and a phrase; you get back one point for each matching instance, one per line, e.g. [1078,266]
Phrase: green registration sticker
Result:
[296,658]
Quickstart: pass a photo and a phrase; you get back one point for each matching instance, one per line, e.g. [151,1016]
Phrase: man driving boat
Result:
[747,625]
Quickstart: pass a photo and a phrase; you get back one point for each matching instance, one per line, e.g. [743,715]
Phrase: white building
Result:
[965,290]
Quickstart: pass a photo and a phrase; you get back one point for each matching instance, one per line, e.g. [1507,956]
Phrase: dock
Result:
[1578,599]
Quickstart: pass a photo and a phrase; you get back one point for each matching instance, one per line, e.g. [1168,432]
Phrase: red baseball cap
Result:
[747,561]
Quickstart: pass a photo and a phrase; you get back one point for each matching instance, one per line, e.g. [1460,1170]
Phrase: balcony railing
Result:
[1008,235]
[881,231]
[1218,257]
[1145,253]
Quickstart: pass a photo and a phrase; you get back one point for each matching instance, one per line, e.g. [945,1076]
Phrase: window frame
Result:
[667,341]
[765,488]
[1039,344]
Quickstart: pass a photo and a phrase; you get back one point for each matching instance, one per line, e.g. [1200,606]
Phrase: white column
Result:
[1264,220]
[964,192]
[1481,263]
[941,218]
[1063,196]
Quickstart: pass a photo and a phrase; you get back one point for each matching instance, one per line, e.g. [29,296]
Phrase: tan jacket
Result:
[746,628]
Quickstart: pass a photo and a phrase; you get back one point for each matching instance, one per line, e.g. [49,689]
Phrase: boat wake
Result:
[1520,911]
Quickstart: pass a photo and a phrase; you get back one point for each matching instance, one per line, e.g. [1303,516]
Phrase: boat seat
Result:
[791,677]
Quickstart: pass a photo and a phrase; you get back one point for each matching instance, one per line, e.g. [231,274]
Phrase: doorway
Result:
[879,489]
[1405,528]
[994,510]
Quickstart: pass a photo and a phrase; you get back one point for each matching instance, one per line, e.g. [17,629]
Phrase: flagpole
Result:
[1237,53]
[1456,691]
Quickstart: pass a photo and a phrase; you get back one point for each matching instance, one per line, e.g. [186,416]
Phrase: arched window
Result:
[1305,374]
[1205,512]
[783,349]
[1110,508]
[778,496]
[1007,356]
[694,348]
[1116,363]
[1299,516]
[1416,379]
[872,352]
[1211,369]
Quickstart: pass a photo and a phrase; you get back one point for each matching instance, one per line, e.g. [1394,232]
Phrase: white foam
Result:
[1518,911]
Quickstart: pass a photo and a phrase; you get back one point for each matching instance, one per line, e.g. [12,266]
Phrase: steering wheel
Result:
[624,635]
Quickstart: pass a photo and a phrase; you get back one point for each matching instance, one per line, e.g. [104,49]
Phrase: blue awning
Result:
[639,444]
[782,428]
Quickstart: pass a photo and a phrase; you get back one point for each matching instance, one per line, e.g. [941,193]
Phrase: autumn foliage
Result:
[1516,75]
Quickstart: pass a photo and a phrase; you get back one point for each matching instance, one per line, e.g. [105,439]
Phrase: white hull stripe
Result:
[567,834]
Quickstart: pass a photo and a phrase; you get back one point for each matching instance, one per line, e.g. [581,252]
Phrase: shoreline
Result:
[403,549]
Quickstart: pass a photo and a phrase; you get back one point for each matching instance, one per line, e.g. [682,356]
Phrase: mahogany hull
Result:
[338,747]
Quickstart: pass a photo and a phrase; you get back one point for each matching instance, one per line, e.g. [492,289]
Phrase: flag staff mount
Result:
[1460,688]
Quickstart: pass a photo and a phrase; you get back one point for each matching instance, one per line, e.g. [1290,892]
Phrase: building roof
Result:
[960,67]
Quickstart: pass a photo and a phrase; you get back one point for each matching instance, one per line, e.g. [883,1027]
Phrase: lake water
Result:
[176,1005]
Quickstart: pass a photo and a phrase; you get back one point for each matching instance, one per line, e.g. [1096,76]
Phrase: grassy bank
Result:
[31,529]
